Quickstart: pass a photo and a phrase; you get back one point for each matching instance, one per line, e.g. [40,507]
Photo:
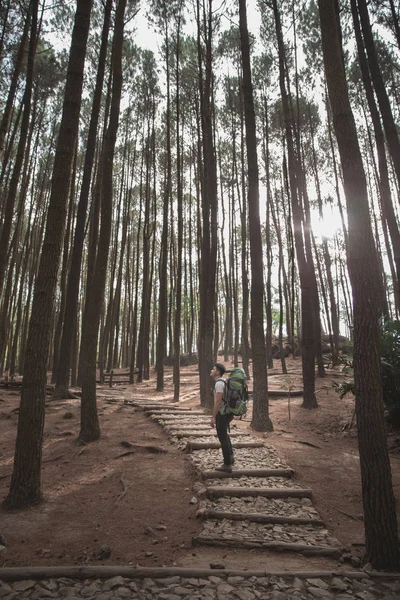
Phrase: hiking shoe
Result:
[225,468]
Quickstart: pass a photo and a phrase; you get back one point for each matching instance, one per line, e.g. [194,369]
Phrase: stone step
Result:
[204,445]
[160,406]
[274,508]
[204,433]
[207,459]
[247,473]
[241,492]
[257,518]
[297,537]
[179,418]
[183,427]
[306,549]
[165,407]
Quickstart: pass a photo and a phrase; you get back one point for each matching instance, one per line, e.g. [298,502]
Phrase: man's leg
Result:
[222,422]
[232,458]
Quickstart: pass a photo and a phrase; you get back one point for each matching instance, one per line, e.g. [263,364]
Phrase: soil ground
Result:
[135,503]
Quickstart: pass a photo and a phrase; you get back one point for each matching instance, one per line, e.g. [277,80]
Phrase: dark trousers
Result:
[222,424]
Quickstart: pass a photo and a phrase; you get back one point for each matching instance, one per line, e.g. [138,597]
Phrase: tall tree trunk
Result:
[71,303]
[25,487]
[209,209]
[260,420]
[381,534]
[306,277]
[90,428]
[178,291]
[163,295]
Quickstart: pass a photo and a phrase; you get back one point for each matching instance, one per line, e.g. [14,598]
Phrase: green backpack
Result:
[236,393]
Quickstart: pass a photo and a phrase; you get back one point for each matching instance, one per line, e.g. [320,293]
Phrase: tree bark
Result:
[260,420]
[71,303]
[90,428]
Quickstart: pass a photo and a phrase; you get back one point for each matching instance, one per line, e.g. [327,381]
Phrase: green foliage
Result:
[390,365]
[390,371]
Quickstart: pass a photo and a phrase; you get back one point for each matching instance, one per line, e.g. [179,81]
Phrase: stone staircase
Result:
[258,505]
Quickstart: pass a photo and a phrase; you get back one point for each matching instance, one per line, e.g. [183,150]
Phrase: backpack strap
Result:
[220,379]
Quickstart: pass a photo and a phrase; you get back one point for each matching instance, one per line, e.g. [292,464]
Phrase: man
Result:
[220,420]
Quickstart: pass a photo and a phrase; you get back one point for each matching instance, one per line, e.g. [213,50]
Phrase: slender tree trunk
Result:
[306,277]
[260,420]
[71,303]
[208,259]
[178,296]
[90,428]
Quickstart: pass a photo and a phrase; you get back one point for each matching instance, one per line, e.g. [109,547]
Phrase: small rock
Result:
[4,589]
[297,584]
[214,580]
[217,565]
[103,553]
[161,527]
[123,592]
[50,584]
[117,581]
[22,586]
[149,531]
[318,583]
[89,590]
[318,592]
[148,554]
[355,562]
[305,502]
[193,500]
[338,584]
[41,592]
[277,595]
[244,594]
[365,595]
[225,588]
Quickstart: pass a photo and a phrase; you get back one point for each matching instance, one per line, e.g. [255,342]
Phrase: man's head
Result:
[220,367]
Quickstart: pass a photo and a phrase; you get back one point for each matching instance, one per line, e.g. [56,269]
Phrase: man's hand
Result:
[212,422]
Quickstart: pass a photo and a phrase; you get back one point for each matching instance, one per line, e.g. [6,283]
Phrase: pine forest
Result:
[191,181]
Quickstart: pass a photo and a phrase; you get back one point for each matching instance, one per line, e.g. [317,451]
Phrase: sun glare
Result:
[328,226]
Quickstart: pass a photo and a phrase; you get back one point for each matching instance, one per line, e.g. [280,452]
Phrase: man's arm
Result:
[217,406]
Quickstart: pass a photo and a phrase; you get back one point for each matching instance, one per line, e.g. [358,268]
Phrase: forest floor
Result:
[115,504]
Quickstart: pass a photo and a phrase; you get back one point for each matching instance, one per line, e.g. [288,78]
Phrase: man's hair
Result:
[220,368]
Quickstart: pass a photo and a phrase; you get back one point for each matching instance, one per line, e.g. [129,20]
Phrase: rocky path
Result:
[220,586]
[257,506]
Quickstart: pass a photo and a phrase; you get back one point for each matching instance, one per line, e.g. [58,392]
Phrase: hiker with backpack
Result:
[230,400]
[220,419]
